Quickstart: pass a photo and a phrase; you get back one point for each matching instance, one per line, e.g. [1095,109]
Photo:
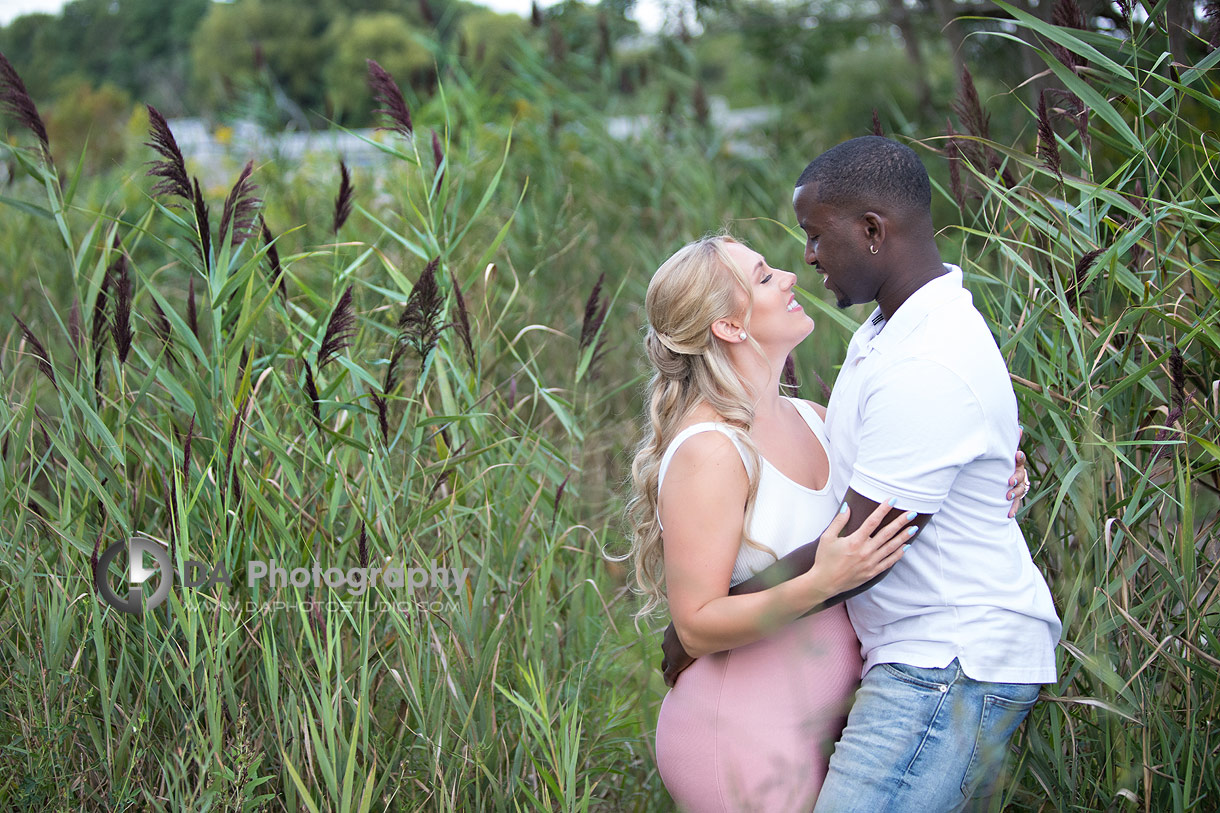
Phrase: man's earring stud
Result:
[872,249]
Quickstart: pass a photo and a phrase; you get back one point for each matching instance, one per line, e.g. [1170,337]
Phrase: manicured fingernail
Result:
[892,500]
[912,515]
[843,508]
[912,531]
[906,546]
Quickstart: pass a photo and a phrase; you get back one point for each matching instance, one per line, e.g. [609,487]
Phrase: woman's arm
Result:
[702,509]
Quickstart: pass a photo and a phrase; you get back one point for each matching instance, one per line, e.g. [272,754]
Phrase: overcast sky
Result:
[647,12]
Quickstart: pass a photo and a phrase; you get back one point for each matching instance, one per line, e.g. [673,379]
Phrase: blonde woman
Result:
[730,477]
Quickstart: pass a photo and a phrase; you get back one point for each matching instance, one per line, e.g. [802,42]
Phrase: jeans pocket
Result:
[932,680]
[998,720]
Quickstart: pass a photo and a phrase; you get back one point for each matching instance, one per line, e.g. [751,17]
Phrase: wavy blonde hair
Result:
[694,288]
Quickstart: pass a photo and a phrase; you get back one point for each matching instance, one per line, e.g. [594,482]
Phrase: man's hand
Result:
[675,659]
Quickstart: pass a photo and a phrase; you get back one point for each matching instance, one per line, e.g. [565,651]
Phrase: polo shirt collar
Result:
[933,294]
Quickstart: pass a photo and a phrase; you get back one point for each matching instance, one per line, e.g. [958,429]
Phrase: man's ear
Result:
[874,228]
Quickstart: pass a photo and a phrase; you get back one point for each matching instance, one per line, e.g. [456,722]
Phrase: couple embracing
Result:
[857,621]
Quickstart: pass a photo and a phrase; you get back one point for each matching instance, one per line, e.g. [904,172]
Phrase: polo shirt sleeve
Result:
[920,425]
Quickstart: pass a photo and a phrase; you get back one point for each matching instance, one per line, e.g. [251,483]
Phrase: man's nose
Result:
[811,255]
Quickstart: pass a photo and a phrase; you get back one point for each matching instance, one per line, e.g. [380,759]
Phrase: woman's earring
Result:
[872,249]
[743,337]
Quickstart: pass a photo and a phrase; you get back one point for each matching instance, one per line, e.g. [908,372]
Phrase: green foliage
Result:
[529,688]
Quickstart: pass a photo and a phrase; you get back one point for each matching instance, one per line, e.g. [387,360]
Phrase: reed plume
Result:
[877,131]
[186,453]
[120,328]
[16,100]
[1048,147]
[419,326]
[535,14]
[558,497]
[788,376]
[343,200]
[463,321]
[383,418]
[202,225]
[1211,13]
[339,330]
[38,351]
[172,168]
[394,107]
[240,209]
[162,328]
[192,313]
[970,110]
[230,477]
[953,153]
[362,546]
[99,331]
[273,257]
[595,314]
[311,390]
[1066,14]
[1076,289]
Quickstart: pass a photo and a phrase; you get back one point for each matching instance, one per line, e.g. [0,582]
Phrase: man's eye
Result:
[765,279]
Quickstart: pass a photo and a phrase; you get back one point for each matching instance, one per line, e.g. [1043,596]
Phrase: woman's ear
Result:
[728,330]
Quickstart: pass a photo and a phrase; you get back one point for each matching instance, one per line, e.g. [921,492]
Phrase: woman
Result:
[732,476]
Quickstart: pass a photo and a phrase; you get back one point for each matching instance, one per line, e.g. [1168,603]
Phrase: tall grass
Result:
[436,361]
[276,409]
[1096,258]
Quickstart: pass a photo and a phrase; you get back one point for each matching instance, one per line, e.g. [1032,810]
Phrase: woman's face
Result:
[777,321]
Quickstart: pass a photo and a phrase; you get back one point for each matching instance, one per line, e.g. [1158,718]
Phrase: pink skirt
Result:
[753,728]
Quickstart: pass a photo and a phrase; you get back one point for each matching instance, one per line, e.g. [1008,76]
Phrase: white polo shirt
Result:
[923,410]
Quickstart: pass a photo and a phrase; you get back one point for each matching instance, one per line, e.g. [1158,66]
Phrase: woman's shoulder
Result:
[818,408]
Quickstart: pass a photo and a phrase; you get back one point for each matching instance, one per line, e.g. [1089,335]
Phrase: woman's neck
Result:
[763,377]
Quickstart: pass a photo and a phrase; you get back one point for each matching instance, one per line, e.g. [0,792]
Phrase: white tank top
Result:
[786,513]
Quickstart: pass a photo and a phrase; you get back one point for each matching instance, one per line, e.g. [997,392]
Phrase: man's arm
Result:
[793,564]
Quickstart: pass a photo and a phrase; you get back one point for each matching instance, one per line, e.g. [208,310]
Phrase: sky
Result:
[648,13]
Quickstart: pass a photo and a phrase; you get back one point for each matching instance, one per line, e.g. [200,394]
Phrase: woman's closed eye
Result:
[765,279]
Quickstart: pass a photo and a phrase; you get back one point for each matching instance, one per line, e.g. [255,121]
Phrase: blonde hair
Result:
[694,288]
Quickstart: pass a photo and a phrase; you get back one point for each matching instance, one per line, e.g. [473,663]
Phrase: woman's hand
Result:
[844,562]
[1019,480]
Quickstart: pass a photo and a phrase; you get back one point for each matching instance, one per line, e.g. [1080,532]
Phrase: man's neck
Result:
[923,267]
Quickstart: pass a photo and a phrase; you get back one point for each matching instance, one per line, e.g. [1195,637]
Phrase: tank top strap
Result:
[725,429]
[708,426]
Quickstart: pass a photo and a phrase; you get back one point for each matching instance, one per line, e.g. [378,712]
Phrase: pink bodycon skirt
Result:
[752,729]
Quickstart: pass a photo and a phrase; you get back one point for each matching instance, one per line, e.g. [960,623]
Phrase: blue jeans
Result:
[923,741]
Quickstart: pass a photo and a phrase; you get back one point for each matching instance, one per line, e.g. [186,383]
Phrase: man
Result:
[959,637]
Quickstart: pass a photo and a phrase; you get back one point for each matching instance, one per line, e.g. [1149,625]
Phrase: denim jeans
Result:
[923,741]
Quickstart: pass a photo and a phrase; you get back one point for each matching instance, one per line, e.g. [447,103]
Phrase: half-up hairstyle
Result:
[699,285]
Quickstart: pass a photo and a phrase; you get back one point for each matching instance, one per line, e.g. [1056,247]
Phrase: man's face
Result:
[835,246]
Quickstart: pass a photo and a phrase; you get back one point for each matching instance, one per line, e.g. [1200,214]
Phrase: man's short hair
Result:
[870,172]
